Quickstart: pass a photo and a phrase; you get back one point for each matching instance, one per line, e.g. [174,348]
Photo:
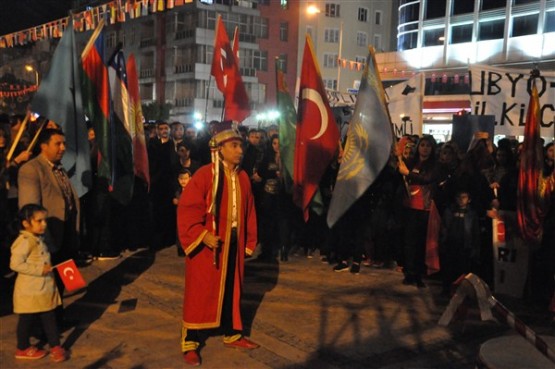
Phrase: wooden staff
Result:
[17,138]
[34,141]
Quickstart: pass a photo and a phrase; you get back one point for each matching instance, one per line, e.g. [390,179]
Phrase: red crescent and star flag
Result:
[225,69]
[317,135]
[70,275]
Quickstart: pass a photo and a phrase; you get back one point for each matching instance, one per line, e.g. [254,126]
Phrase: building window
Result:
[409,13]
[310,31]
[360,59]
[435,9]
[378,18]
[378,42]
[284,4]
[549,22]
[332,10]
[362,39]
[282,60]
[434,37]
[260,60]
[283,31]
[493,4]
[362,14]
[519,2]
[330,84]
[407,41]
[491,30]
[331,35]
[462,7]
[260,27]
[111,39]
[461,33]
[525,25]
[330,60]
[263,2]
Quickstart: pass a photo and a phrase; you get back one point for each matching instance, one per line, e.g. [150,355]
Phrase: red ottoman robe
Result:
[204,283]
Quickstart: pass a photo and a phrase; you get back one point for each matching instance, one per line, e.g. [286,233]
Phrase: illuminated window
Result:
[310,31]
[462,7]
[378,42]
[330,84]
[330,60]
[282,60]
[525,25]
[549,22]
[434,37]
[332,10]
[284,4]
[461,33]
[491,30]
[362,39]
[407,41]
[331,35]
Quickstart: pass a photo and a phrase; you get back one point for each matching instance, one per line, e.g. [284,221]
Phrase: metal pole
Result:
[339,55]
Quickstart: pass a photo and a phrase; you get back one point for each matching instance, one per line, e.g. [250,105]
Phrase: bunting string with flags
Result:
[317,134]
[116,11]
[368,144]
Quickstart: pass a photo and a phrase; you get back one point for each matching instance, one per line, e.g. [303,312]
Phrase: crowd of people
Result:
[388,227]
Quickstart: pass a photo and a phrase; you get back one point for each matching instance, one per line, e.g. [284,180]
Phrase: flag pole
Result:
[17,138]
[207,95]
[36,137]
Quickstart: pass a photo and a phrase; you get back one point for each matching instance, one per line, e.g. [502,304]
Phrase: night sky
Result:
[17,15]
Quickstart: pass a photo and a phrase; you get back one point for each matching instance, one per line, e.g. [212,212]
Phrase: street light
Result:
[30,68]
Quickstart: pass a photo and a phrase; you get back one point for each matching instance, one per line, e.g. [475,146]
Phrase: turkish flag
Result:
[317,134]
[225,69]
[72,278]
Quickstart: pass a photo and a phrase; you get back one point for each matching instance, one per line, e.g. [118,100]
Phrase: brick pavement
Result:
[302,313]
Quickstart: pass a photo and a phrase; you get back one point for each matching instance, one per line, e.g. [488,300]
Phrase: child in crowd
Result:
[35,294]
[183,178]
[459,239]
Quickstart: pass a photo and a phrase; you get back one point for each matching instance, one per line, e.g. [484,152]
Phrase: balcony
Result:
[186,101]
[147,42]
[184,68]
[185,33]
[248,72]
[146,73]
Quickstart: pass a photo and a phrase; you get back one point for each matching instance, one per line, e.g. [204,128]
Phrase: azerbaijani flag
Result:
[96,98]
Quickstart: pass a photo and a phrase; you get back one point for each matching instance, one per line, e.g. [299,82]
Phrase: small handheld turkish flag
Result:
[72,278]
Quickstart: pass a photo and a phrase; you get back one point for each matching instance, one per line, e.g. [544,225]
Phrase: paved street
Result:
[302,313]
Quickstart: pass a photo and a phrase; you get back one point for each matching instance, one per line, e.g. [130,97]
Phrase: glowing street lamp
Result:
[30,68]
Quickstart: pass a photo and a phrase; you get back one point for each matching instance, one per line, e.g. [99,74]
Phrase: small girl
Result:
[183,178]
[35,294]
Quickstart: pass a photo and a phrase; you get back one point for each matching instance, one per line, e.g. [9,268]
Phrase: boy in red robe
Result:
[217,228]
